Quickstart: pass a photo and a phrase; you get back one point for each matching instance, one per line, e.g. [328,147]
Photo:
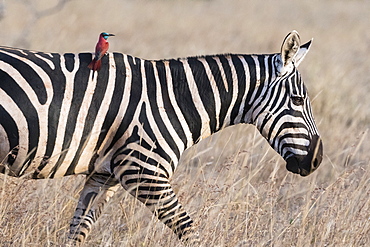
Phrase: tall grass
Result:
[234,186]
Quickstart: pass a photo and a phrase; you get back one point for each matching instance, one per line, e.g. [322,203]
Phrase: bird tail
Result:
[95,65]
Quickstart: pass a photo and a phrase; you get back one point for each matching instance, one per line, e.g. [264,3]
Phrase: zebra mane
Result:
[208,56]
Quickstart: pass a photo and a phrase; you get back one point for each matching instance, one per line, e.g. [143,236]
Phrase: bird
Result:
[100,49]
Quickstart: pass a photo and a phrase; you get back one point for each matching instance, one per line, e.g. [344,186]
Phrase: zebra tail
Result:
[95,65]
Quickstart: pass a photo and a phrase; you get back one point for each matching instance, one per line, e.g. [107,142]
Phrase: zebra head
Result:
[283,115]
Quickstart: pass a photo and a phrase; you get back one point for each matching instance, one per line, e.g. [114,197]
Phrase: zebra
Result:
[128,126]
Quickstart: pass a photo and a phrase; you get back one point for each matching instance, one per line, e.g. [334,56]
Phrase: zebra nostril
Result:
[315,163]
[317,153]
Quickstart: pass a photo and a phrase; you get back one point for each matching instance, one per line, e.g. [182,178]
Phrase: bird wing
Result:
[100,50]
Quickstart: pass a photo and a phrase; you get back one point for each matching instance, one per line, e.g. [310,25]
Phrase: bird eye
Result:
[297,100]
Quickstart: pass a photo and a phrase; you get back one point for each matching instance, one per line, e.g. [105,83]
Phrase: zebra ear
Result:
[302,53]
[290,48]
[291,54]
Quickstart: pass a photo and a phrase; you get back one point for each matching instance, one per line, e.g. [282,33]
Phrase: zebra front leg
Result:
[97,191]
[155,191]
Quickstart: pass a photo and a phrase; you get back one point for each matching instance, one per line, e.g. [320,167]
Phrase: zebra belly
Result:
[20,159]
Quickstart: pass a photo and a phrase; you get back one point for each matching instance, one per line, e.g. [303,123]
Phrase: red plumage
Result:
[101,49]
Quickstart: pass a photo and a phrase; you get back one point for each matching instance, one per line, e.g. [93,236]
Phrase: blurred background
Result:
[269,207]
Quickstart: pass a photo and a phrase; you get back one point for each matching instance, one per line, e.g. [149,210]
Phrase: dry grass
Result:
[237,191]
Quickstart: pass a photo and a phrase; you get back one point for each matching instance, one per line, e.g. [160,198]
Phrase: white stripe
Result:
[308,117]
[295,151]
[215,91]
[88,151]
[280,95]
[163,113]
[64,112]
[297,141]
[152,155]
[149,114]
[121,112]
[4,145]
[21,122]
[258,79]
[247,87]
[38,70]
[223,76]
[49,62]
[42,110]
[120,169]
[178,112]
[235,91]
[80,122]
[23,84]
[135,119]
[281,121]
[143,164]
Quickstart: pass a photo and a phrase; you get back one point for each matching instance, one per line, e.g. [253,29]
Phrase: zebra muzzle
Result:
[305,165]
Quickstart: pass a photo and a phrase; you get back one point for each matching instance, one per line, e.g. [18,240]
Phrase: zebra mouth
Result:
[292,165]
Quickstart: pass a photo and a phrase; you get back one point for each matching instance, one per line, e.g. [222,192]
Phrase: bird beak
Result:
[110,34]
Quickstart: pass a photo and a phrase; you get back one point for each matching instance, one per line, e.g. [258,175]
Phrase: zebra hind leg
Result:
[172,214]
[158,196]
[97,191]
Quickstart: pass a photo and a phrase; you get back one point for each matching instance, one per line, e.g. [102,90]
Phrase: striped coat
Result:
[129,125]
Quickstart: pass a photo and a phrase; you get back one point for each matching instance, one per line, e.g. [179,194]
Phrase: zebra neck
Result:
[203,95]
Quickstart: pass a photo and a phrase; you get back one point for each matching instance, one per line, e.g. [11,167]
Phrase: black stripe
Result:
[285,125]
[229,79]
[145,159]
[167,102]
[278,98]
[139,171]
[153,187]
[184,98]
[11,130]
[135,96]
[79,91]
[204,89]
[97,98]
[31,77]
[116,98]
[152,96]
[143,119]
[225,96]
[290,135]
[252,82]
[69,61]
[151,197]
[275,99]
[59,85]
[270,67]
[261,63]
[162,211]
[125,151]
[20,98]
[240,73]
[291,146]
[292,85]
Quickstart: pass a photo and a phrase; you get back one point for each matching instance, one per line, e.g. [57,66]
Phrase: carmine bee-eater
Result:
[100,49]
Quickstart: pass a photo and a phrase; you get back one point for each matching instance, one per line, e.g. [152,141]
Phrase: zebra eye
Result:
[297,100]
